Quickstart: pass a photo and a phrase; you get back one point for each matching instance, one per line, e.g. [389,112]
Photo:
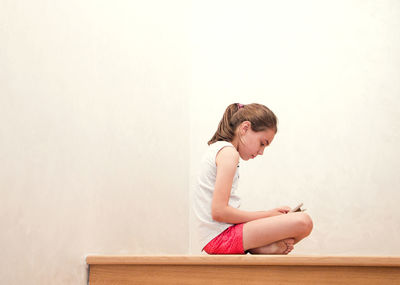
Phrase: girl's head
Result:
[250,128]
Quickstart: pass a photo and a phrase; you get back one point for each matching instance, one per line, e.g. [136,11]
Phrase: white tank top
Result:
[207,227]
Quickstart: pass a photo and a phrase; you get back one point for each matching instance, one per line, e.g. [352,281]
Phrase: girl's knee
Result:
[309,222]
[305,223]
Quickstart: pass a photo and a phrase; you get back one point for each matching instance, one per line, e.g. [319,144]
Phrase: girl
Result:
[244,131]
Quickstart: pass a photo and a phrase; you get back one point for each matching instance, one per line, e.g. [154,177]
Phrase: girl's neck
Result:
[235,143]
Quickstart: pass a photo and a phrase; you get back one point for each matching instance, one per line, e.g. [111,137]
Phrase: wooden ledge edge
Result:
[292,260]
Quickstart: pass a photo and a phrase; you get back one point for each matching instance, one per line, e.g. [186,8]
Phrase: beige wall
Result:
[106,108]
[94,141]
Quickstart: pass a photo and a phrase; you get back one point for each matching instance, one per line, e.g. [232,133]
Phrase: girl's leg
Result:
[264,232]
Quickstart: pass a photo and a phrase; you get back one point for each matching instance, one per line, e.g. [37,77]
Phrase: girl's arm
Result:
[227,160]
[235,216]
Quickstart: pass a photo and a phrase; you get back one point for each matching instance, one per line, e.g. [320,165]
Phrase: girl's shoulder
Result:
[227,155]
[215,148]
[222,150]
[220,144]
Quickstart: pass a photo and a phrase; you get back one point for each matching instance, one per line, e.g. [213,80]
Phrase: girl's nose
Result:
[261,151]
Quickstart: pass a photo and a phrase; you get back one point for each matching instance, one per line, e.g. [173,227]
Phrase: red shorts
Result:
[229,241]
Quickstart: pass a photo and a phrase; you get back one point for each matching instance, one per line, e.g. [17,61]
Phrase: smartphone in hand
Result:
[297,208]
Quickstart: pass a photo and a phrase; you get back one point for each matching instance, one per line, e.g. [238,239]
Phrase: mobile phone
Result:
[297,209]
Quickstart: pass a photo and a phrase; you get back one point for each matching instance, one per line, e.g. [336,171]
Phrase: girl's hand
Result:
[284,209]
[280,211]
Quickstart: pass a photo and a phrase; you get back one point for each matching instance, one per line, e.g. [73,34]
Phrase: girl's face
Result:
[251,144]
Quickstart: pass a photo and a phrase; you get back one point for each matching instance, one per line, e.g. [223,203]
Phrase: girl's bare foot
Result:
[279,247]
[290,245]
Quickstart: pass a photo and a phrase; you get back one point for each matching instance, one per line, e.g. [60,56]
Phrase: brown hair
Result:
[260,117]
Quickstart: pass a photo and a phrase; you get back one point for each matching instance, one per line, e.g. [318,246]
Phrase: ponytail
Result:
[260,117]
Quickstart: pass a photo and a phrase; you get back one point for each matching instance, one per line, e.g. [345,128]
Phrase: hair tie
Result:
[240,106]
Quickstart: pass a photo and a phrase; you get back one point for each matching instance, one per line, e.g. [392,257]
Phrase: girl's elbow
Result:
[217,215]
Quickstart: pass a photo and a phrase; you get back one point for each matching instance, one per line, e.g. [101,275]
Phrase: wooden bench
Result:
[243,269]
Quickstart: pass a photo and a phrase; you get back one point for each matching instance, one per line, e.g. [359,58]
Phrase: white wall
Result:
[106,108]
[330,71]
[94,134]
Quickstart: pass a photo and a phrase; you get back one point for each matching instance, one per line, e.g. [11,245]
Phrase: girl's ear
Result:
[246,126]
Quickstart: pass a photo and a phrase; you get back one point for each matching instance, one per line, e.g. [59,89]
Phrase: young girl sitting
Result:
[244,131]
